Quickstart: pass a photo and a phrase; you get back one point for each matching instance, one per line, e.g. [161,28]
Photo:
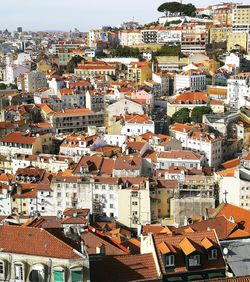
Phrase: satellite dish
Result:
[225,251]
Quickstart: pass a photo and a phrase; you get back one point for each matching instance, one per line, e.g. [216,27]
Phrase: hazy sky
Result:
[83,14]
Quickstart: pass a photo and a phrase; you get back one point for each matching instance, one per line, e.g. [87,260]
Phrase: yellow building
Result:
[139,72]
[160,198]
[219,34]
[237,38]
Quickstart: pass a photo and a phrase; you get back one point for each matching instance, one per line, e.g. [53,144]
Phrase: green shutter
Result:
[58,276]
[76,276]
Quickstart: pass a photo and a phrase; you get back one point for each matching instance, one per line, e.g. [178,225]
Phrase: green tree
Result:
[126,51]
[3,86]
[167,50]
[72,64]
[175,7]
[12,86]
[198,112]
[181,116]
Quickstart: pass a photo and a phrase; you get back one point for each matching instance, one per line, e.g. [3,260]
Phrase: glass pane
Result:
[76,276]
[58,276]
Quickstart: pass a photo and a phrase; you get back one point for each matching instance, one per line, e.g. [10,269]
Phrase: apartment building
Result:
[139,72]
[95,101]
[190,80]
[238,89]
[71,191]
[134,202]
[130,37]
[187,159]
[196,138]
[223,14]
[94,69]
[79,119]
[32,81]
[66,45]
[194,38]
[136,125]
[194,195]
[71,98]
[220,33]
[25,143]
[241,18]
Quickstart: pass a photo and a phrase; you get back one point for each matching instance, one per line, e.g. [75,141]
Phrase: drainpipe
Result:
[50,270]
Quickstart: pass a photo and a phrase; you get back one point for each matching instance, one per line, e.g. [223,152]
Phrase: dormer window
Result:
[212,254]
[194,260]
[169,260]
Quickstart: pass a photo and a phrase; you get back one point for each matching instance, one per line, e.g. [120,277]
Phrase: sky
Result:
[82,14]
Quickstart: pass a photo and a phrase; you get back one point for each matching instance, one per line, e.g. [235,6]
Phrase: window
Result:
[76,276]
[212,254]
[58,276]
[194,260]
[134,203]
[169,260]
[111,206]
[19,273]
[1,267]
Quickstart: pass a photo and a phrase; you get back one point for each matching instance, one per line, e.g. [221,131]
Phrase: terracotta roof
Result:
[184,155]
[21,240]
[231,163]
[240,215]
[133,245]
[79,212]
[191,98]
[130,162]
[187,244]
[18,137]
[124,268]
[222,226]
[94,238]
[74,112]
[74,220]
[229,172]
[95,165]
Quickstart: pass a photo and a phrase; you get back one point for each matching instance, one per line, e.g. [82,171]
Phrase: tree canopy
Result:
[198,112]
[126,52]
[176,7]
[72,64]
[167,50]
[3,86]
[181,116]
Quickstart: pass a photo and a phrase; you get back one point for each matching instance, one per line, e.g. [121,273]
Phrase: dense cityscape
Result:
[124,151]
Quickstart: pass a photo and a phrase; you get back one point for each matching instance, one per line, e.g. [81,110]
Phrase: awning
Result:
[215,275]
[174,279]
[194,277]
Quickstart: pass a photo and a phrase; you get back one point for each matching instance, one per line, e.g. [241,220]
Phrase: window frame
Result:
[193,258]
[169,260]
[213,254]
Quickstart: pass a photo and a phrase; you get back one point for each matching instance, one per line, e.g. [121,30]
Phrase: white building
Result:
[234,187]
[105,195]
[192,81]
[238,90]
[130,37]
[187,159]
[137,125]
[71,191]
[197,139]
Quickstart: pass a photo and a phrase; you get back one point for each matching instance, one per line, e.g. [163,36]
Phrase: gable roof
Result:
[124,268]
[185,245]
[34,241]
